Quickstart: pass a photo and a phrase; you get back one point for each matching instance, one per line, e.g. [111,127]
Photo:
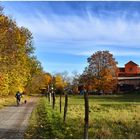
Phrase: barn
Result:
[129,77]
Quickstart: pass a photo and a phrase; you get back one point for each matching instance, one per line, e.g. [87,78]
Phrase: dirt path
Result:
[14,120]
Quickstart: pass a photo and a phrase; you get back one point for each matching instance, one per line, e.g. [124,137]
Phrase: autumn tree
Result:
[18,64]
[66,78]
[48,79]
[75,82]
[86,81]
[59,83]
[101,73]
[39,82]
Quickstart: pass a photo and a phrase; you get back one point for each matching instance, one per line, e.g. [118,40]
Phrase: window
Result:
[131,69]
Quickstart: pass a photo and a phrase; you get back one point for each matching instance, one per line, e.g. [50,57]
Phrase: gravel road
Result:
[14,120]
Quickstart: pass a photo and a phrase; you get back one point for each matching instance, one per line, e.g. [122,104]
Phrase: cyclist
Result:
[18,97]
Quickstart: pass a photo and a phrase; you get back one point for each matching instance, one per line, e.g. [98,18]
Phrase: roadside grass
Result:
[5,101]
[111,116]
[44,122]
[10,100]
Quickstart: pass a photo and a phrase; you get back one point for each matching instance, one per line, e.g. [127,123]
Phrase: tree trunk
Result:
[53,100]
[86,115]
[60,101]
[65,107]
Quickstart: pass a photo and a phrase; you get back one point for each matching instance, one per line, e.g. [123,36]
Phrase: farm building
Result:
[129,77]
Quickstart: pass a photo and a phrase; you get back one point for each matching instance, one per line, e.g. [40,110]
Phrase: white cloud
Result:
[115,53]
[81,36]
[79,28]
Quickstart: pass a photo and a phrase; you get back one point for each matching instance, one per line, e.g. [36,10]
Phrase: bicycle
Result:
[18,102]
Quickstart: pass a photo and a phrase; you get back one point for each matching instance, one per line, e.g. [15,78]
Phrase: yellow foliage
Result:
[17,65]
[59,82]
[47,79]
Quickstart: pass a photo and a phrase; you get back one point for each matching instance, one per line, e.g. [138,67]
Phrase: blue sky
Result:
[67,33]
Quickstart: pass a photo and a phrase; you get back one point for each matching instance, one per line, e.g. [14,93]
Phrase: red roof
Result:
[131,62]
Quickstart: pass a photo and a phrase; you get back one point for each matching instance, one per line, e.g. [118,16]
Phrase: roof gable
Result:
[132,63]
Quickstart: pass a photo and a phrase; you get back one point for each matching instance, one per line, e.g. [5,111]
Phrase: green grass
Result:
[111,116]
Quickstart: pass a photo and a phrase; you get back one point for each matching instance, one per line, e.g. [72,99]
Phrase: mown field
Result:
[112,116]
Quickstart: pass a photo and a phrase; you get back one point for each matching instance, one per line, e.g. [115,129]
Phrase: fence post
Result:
[50,97]
[65,107]
[53,99]
[86,115]
[60,102]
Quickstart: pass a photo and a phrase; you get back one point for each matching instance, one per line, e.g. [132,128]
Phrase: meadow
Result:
[110,116]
